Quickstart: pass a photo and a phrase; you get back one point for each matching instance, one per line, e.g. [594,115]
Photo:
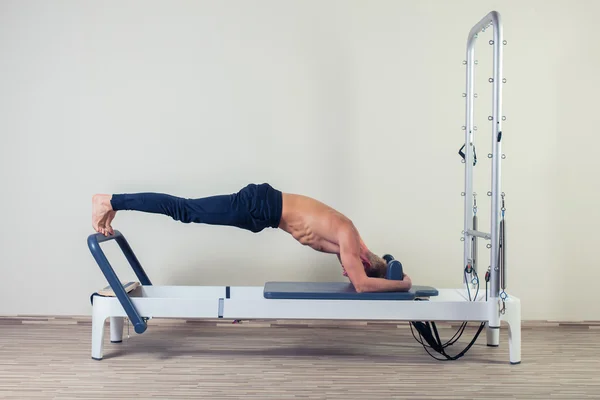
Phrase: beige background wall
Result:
[357,103]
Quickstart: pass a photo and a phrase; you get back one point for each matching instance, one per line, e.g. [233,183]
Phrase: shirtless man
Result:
[256,207]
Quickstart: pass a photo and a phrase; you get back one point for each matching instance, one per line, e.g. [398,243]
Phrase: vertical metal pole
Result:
[496,165]
[468,198]
[493,18]
[474,248]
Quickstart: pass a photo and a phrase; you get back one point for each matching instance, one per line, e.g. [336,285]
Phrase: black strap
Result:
[463,156]
[427,331]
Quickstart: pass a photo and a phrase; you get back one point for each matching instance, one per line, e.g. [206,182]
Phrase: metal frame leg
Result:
[98,319]
[512,317]
[116,329]
[492,336]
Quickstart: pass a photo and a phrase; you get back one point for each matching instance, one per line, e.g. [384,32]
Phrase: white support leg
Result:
[492,336]
[512,317]
[98,319]
[116,329]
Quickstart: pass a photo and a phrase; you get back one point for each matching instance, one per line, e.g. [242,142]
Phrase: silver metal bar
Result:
[468,198]
[491,19]
[483,235]
[496,152]
[474,246]
[503,254]
[221,307]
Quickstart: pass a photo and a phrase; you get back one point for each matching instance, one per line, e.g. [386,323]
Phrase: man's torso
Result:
[312,223]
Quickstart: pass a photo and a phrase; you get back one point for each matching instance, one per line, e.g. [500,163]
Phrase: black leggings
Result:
[254,208]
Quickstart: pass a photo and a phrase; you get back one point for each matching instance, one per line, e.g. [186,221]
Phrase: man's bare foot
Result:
[107,225]
[101,210]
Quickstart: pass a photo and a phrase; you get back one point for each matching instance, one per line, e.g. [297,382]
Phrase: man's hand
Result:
[350,258]
[382,285]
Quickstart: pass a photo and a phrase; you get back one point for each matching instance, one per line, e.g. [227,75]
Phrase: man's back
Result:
[313,223]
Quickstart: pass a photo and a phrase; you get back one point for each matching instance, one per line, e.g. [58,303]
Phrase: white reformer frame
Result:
[248,302]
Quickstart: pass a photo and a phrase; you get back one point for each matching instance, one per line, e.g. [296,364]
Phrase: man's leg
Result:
[216,210]
[253,208]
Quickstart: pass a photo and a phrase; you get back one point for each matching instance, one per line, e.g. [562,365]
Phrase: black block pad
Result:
[337,291]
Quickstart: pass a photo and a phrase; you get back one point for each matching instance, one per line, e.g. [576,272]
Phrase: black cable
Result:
[442,350]
[429,333]
[462,353]
[455,338]
[435,331]
[461,329]
[413,333]
[432,335]
[467,283]
[434,357]
[478,284]
[487,279]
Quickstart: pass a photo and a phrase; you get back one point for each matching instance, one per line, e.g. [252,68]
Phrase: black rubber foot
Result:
[116,341]
[97,359]
[515,363]
[492,345]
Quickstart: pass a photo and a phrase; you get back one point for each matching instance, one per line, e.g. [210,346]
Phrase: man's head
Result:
[375,266]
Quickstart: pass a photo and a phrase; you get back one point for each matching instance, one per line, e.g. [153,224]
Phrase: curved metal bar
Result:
[493,19]
[93,242]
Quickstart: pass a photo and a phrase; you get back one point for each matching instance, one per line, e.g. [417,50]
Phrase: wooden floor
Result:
[49,358]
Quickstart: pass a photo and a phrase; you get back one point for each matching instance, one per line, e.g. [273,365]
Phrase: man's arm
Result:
[350,257]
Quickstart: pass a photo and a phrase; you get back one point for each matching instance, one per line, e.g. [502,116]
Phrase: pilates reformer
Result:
[421,306]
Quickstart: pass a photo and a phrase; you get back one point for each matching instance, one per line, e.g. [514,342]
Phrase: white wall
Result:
[355,103]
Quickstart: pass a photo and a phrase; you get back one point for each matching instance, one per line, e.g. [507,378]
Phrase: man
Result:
[256,207]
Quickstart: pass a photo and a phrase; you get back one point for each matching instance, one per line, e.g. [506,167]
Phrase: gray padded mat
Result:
[337,291]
